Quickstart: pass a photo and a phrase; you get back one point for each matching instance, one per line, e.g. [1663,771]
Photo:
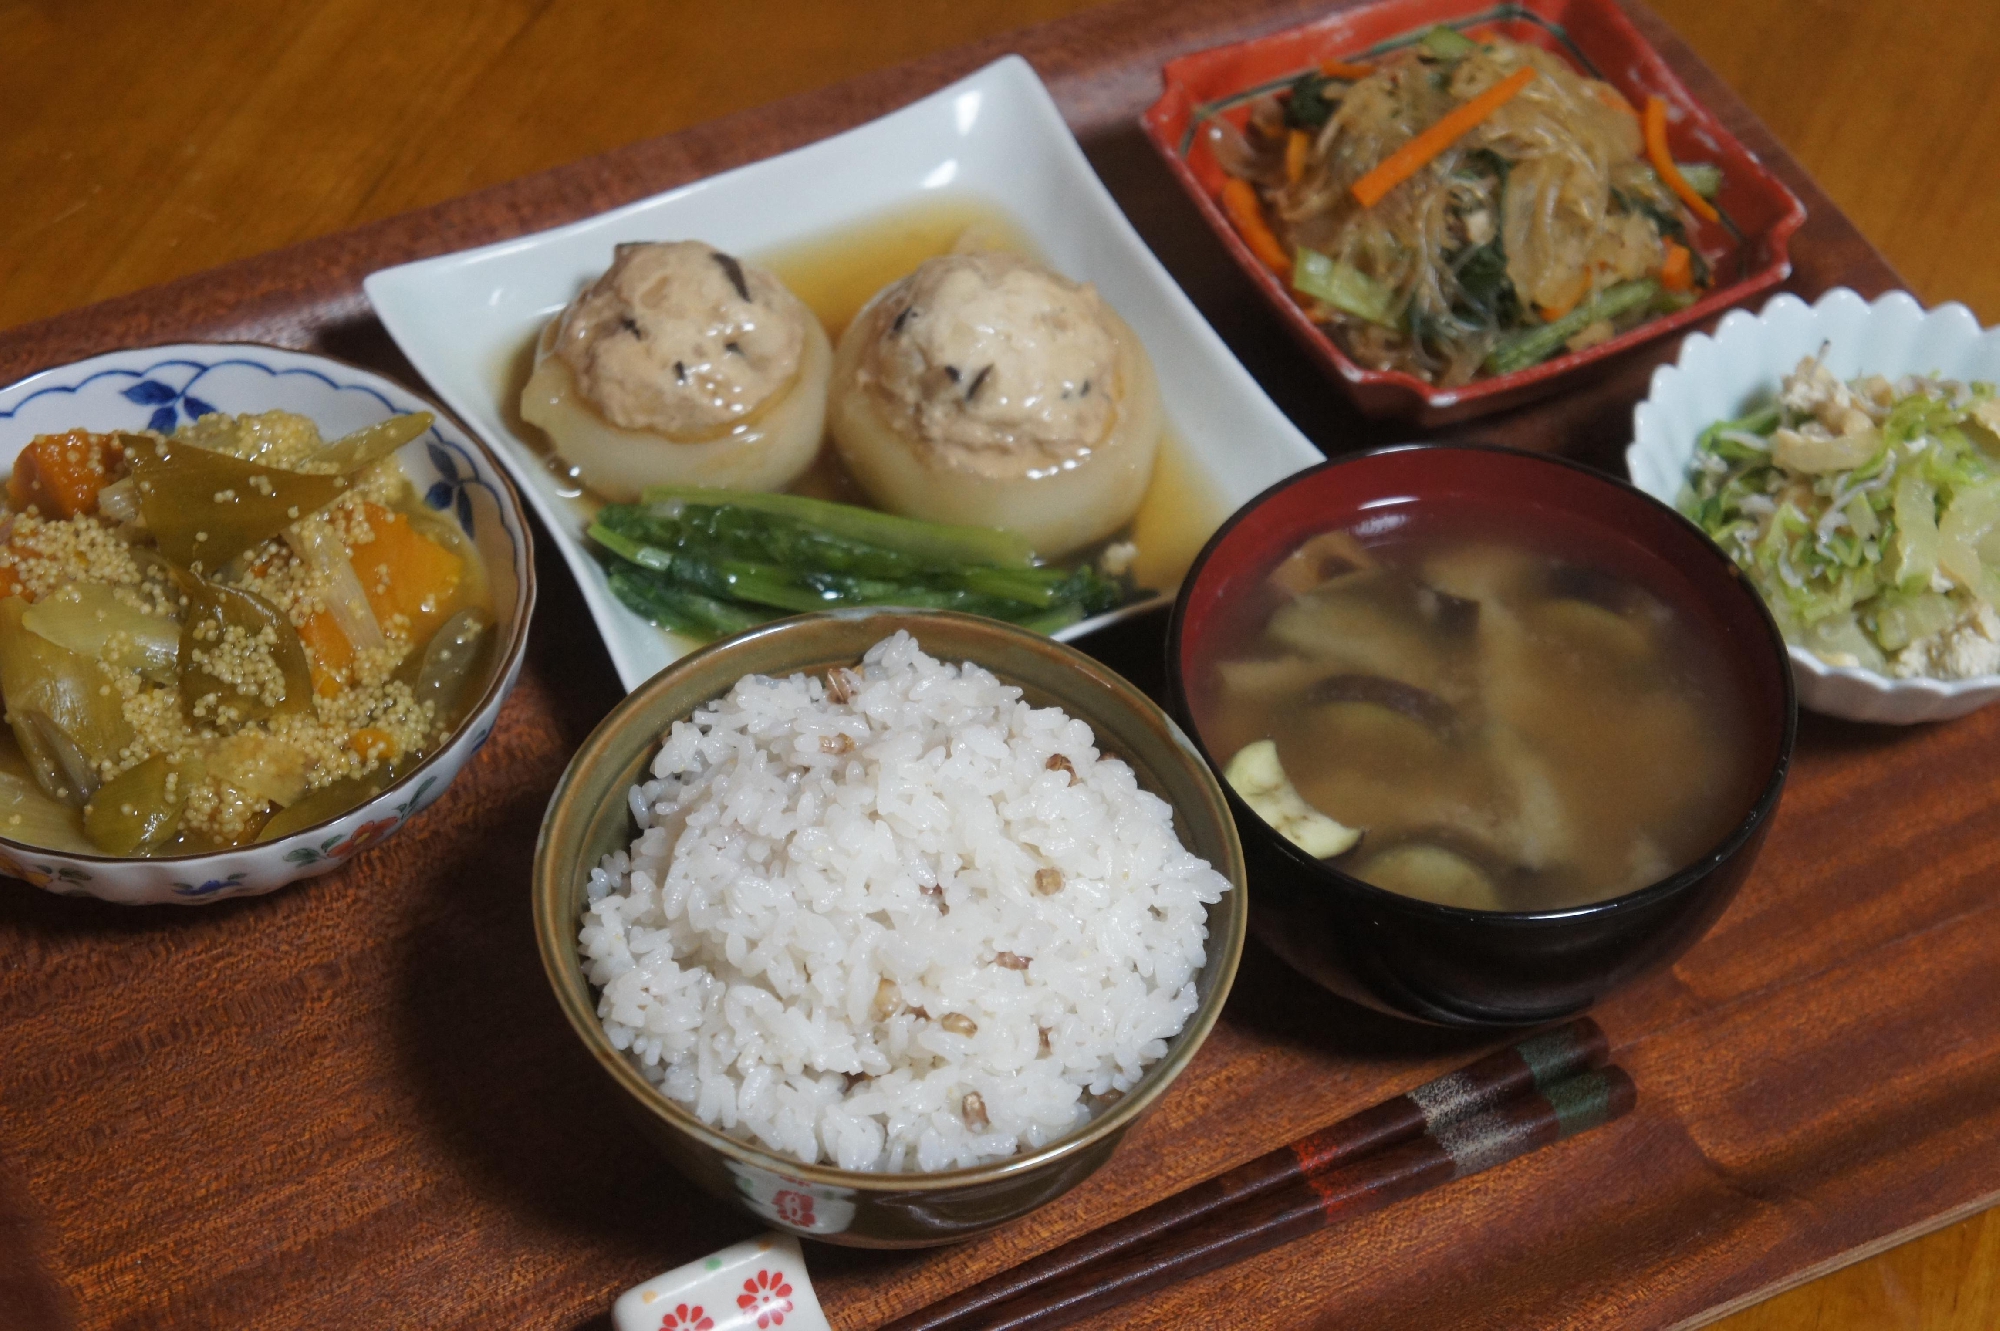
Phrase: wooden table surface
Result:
[144,143]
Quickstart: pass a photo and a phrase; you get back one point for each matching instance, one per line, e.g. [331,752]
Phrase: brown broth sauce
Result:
[836,274]
[1593,738]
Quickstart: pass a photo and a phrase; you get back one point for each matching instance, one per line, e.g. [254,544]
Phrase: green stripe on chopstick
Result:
[1556,1054]
[1549,1057]
[1581,1102]
[1572,1105]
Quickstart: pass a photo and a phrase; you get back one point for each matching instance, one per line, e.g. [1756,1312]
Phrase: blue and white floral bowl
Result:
[164,387]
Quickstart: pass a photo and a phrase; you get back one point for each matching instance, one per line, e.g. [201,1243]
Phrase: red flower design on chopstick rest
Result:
[769,1296]
[685,1318]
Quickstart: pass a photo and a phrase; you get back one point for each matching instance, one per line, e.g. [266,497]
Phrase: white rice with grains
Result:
[902,922]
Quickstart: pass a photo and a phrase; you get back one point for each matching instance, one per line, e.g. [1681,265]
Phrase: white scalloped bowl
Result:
[162,387]
[1736,369]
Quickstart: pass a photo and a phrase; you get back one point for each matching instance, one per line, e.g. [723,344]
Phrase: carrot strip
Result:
[1412,157]
[1568,301]
[1297,144]
[1239,200]
[1677,269]
[1342,69]
[328,652]
[1663,161]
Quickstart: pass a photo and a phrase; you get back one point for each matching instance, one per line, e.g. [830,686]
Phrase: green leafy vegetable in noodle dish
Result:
[1868,515]
[1460,208]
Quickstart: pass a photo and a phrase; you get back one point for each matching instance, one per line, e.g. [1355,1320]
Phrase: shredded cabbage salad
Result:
[1868,515]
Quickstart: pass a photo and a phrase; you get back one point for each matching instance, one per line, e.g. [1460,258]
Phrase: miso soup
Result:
[1508,719]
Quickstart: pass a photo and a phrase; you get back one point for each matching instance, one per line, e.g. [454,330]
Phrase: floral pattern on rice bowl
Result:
[807,1208]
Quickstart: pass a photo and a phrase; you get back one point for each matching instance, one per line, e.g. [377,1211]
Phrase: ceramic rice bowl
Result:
[591,816]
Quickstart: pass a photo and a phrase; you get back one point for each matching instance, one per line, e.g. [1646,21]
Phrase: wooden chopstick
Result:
[1313,1202]
[1539,1062]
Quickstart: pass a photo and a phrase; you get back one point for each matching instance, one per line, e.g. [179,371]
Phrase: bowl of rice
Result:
[890,924]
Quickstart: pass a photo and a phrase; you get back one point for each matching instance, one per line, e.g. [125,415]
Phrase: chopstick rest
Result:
[1535,1063]
[759,1284]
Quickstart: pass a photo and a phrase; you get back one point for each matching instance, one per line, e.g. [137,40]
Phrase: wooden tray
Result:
[354,1103]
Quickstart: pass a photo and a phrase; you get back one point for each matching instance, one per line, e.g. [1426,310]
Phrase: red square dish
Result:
[1758,214]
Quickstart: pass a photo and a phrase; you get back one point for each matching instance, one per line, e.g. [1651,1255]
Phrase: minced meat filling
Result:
[999,363]
[682,339]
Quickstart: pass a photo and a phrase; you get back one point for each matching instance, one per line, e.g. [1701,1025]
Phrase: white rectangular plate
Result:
[995,135]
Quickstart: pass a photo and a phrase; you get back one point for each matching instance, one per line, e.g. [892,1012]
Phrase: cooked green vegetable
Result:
[936,541]
[454,658]
[62,706]
[1538,344]
[711,562]
[1447,43]
[239,655]
[371,443]
[1486,294]
[1307,106]
[1344,287]
[329,801]
[684,612]
[1705,177]
[139,810]
[1868,515]
[28,814]
[205,507]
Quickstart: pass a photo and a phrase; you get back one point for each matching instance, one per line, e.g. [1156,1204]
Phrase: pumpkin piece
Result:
[406,575]
[59,475]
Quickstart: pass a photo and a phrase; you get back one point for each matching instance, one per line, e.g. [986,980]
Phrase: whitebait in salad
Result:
[1868,515]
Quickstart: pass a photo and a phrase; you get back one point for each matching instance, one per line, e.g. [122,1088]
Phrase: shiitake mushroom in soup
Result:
[1506,718]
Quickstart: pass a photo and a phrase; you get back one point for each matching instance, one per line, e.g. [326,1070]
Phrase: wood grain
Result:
[137,147]
[1156,1231]
[1891,108]
[134,151]
[351,1103]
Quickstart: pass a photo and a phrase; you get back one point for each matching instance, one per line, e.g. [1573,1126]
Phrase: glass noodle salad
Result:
[1463,208]
[1868,515]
